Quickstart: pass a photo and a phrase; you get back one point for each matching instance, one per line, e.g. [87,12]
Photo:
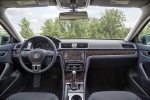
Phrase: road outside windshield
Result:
[103,22]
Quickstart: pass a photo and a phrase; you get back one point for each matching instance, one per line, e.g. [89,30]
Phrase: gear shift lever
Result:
[73,84]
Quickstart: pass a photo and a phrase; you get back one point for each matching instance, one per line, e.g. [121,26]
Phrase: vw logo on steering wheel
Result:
[36,55]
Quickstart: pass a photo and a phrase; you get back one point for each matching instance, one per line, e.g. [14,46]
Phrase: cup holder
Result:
[76,97]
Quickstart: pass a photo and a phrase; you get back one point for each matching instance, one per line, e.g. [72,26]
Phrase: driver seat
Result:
[32,96]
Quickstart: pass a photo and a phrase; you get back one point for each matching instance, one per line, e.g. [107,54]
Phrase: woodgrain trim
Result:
[79,78]
[109,52]
[105,52]
[60,53]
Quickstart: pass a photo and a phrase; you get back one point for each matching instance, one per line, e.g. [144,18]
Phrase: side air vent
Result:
[127,46]
[66,45]
[82,45]
[18,46]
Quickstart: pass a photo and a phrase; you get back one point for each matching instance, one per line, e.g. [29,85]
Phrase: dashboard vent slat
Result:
[66,45]
[82,45]
[18,46]
[126,46]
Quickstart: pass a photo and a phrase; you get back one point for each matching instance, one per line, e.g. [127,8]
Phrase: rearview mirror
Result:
[145,39]
[73,15]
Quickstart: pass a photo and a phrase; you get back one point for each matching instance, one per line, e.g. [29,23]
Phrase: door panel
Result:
[10,77]
[6,53]
[139,75]
[5,59]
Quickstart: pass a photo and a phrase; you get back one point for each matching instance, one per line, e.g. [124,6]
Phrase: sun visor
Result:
[119,1]
[43,2]
[33,2]
[26,2]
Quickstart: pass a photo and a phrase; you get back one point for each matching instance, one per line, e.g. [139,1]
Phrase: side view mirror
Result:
[145,39]
[5,39]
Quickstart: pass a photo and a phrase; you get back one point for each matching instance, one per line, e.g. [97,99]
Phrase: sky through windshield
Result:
[37,16]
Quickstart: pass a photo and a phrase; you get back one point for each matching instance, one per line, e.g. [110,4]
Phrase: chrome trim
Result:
[143,71]
[5,70]
[18,75]
[139,86]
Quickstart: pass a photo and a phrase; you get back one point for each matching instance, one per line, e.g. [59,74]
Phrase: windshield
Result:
[102,22]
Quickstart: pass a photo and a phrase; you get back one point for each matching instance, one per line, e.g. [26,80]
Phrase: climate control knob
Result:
[67,68]
[80,67]
[74,67]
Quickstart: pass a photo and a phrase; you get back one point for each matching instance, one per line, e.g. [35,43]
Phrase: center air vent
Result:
[66,45]
[82,45]
[127,46]
[74,45]
[73,1]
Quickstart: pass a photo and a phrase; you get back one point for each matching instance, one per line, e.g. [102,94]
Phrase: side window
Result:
[4,36]
[144,36]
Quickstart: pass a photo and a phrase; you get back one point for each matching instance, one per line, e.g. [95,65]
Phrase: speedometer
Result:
[40,46]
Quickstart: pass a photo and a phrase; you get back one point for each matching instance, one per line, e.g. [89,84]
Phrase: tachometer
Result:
[40,46]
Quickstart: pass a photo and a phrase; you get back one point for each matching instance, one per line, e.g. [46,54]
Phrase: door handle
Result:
[3,53]
[145,53]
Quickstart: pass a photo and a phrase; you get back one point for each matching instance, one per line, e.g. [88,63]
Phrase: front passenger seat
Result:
[32,96]
[114,95]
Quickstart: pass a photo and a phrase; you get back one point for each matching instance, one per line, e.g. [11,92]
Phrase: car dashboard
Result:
[82,55]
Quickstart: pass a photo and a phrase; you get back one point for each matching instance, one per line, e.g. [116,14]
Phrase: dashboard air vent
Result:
[82,45]
[66,45]
[127,46]
[18,46]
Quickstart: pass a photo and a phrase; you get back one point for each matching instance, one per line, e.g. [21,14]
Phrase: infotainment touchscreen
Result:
[74,56]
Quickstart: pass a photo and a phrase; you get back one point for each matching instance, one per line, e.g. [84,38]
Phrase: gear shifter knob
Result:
[74,76]
[73,85]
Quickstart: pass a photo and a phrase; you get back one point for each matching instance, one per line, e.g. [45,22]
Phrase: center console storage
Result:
[74,66]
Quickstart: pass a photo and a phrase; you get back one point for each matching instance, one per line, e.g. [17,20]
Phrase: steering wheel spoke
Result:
[25,53]
[49,53]
[25,49]
[36,67]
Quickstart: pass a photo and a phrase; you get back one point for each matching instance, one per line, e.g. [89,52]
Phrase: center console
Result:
[74,65]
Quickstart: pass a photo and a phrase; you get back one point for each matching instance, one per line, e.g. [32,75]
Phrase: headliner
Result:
[132,3]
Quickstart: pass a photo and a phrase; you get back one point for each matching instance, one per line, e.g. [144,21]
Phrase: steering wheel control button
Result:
[24,53]
[49,53]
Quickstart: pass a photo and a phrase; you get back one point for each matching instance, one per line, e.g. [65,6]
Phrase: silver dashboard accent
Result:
[4,71]
[74,45]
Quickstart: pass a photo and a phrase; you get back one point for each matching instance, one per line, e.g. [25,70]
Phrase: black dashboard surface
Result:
[104,47]
[99,44]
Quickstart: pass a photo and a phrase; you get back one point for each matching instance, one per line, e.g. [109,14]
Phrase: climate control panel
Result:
[74,66]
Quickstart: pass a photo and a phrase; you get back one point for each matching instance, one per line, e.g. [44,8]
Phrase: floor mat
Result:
[50,85]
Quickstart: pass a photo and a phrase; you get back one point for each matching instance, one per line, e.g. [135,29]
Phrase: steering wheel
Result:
[37,56]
